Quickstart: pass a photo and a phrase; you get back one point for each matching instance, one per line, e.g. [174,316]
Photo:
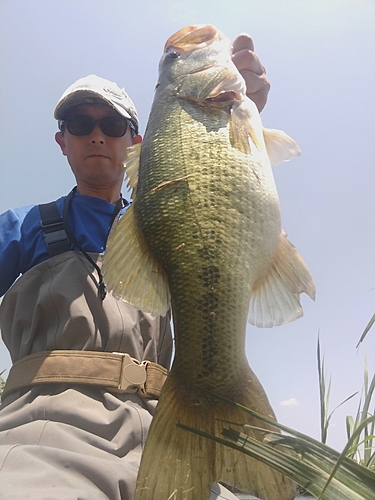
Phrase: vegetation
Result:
[2,383]
[361,445]
[324,394]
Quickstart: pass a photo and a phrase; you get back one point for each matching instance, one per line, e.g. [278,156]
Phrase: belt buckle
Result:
[133,374]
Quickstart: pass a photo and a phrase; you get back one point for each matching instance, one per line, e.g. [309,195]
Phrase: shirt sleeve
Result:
[10,236]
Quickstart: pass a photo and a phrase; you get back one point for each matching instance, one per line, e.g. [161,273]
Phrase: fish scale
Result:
[204,237]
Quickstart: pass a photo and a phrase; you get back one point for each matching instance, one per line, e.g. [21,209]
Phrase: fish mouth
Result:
[192,37]
[229,90]
[224,97]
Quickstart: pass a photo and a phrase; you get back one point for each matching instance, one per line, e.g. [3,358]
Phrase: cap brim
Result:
[84,97]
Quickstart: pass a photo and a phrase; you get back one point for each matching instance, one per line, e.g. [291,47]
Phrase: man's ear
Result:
[137,139]
[59,138]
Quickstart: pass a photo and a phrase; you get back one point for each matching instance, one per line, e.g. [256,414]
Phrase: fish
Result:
[203,237]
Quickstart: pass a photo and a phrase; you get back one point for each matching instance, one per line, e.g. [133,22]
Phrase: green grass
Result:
[2,383]
[360,429]
[324,395]
[363,444]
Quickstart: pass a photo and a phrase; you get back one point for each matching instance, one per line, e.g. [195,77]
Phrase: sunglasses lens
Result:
[80,125]
[84,125]
[113,126]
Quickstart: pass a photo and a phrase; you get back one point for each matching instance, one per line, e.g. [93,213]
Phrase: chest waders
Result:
[118,371]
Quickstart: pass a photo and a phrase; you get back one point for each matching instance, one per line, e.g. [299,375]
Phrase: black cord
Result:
[102,288]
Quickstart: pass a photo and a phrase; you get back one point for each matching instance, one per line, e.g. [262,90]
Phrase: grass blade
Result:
[366,330]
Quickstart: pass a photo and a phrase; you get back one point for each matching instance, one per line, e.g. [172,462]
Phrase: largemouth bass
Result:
[204,237]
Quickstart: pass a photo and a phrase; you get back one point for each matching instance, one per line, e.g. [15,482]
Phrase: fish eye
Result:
[171,53]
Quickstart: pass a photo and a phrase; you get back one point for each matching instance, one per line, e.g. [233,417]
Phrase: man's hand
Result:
[252,70]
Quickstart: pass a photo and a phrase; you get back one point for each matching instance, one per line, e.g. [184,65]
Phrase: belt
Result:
[114,370]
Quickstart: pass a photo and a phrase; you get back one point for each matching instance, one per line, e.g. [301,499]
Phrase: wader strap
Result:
[53,228]
[116,371]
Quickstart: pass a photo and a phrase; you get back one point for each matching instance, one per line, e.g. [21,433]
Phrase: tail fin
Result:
[180,465]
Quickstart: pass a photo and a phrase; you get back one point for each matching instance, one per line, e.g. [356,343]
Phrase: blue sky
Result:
[320,59]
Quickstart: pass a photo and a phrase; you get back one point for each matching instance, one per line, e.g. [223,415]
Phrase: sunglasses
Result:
[112,126]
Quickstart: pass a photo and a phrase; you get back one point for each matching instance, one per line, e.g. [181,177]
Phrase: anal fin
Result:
[275,298]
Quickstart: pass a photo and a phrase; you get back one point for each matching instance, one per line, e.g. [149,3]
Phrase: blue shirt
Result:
[22,244]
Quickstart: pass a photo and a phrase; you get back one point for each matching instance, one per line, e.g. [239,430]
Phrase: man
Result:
[88,368]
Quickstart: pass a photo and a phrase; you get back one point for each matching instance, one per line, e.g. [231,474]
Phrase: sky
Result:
[320,60]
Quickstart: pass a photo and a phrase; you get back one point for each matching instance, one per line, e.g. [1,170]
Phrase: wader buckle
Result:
[133,374]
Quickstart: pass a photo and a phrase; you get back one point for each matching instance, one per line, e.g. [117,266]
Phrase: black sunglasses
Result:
[113,126]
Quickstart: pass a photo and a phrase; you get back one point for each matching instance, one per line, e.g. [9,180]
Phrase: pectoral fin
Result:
[133,154]
[275,298]
[245,131]
[130,270]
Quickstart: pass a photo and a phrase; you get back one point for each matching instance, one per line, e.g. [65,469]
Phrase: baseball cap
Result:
[93,89]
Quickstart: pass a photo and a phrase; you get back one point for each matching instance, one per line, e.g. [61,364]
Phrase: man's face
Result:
[95,159]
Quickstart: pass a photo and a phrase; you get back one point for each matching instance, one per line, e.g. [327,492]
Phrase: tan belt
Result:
[115,370]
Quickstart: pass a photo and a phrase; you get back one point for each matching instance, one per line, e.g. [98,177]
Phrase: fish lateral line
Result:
[165,184]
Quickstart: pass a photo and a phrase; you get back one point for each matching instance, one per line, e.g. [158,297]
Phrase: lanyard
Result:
[102,289]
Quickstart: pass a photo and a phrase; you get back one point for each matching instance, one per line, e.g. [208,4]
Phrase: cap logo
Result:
[113,92]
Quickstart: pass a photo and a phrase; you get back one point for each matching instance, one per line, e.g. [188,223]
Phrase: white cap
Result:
[93,89]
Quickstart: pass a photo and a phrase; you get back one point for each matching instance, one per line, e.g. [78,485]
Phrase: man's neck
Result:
[108,193]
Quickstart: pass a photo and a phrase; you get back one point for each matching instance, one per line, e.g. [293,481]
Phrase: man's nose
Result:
[97,135]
